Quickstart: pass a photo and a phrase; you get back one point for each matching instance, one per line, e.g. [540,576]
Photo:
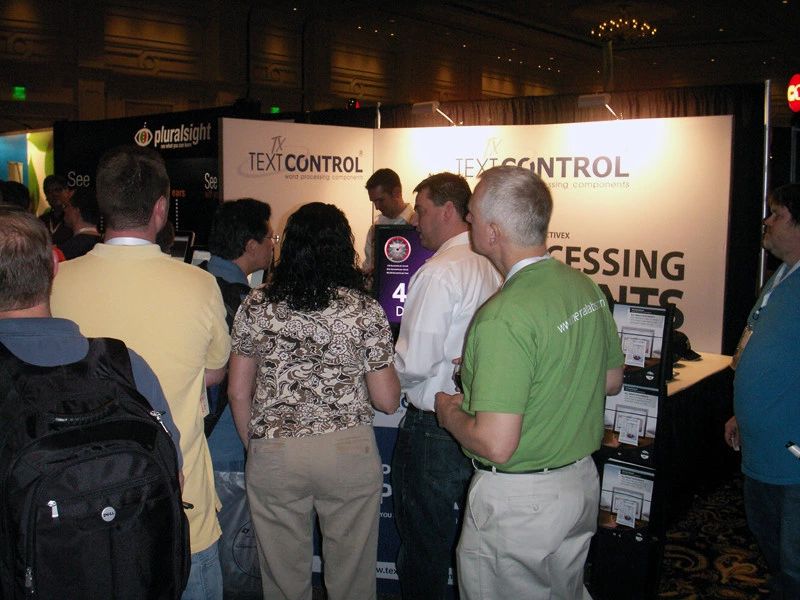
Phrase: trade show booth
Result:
[661,209]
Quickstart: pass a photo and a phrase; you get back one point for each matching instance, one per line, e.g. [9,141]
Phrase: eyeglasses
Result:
[275,238]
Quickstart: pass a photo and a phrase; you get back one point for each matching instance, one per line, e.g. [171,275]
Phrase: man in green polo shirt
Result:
[539,359]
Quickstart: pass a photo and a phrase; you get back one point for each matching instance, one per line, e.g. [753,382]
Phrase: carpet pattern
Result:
[711,554]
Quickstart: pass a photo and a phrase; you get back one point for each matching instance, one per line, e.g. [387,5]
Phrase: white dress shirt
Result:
[442,298]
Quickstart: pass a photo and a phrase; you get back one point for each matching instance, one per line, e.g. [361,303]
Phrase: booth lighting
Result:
[19,92]
[426,108]
[595,100]
[274,110]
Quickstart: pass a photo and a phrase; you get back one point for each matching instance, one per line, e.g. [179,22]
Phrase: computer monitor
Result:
[184,240]
[645,333]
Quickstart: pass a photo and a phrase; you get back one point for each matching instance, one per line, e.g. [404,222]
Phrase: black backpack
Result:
[232,294]
[90,501]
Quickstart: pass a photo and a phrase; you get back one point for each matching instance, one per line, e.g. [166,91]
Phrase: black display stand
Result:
[625,565]
[626,552]
[687,455]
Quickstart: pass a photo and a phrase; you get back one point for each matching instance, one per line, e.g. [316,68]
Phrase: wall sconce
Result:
[426,108]
[595,100]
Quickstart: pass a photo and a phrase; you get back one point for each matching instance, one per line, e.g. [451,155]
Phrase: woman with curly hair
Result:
[310,350]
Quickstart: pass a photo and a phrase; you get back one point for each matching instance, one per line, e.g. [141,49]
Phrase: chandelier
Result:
[624,30]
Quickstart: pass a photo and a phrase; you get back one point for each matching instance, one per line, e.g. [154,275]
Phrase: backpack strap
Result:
[10,367]
[7,359]
[109,358]
[232,297]
[232,294]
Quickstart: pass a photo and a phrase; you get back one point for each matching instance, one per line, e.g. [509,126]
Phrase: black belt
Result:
[413,408]
[484,467]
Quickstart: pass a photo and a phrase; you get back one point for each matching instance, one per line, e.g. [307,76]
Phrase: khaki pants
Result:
[339,477]
[527,536]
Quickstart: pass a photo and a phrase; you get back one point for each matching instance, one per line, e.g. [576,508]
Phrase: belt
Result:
[413,408]
[483,467]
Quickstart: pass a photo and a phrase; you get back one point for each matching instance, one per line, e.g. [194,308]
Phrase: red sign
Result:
[793,93]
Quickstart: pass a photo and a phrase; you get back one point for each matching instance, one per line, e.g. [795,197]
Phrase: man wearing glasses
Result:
[241,242]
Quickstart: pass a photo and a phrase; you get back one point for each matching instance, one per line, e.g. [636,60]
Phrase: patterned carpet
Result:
[711,553]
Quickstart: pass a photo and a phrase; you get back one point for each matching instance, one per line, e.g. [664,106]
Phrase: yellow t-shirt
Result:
[172,314]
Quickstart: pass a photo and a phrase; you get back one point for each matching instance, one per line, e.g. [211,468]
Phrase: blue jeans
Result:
[429,475]
[773,514]
[205,578]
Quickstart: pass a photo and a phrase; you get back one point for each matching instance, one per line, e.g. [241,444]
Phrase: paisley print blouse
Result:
[311,365]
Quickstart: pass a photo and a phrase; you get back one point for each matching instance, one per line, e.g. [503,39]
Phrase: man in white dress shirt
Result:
[429,472]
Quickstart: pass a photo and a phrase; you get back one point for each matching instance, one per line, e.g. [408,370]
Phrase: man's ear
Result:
[160,211]
[449,210]
[163,206]
[55,262]
[494,233]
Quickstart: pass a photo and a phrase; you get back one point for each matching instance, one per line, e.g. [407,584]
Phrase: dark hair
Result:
[85,201]
[16,194]
[130,180]
[444,187]
[235,223]
[52,181]
[386,178]
[317,257]
[26,259]
[789,196]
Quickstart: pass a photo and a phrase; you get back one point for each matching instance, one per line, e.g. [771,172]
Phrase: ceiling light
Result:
[624,29]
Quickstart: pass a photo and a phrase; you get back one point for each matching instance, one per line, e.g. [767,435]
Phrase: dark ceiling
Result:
[696,43]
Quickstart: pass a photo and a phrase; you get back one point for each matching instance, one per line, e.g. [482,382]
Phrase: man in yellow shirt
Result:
[169,312]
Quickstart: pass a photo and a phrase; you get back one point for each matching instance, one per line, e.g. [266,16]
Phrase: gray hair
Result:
[519,202]
[26,259]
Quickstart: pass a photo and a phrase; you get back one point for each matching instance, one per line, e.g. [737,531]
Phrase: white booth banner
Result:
[641,206]
[290,164]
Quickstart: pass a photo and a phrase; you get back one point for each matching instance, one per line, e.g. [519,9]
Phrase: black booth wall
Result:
[192,164]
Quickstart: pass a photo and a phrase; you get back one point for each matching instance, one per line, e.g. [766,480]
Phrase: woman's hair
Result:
[317,257]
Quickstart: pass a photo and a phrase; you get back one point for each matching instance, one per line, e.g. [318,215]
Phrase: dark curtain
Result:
[744,102]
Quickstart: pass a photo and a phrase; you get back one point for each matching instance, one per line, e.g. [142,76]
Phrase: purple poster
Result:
[398,255]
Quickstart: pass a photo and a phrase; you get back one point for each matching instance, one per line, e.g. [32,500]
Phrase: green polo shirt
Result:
[541,348]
